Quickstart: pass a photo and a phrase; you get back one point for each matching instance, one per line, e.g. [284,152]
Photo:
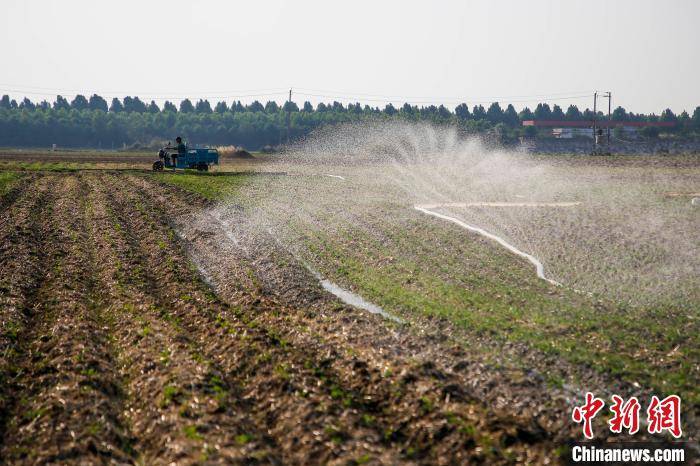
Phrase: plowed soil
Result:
[117,348]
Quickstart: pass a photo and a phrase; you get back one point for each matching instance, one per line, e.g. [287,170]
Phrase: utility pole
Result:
[289,114]
[609,96]
[595,110]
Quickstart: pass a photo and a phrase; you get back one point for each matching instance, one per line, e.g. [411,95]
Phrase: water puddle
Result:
[353,299]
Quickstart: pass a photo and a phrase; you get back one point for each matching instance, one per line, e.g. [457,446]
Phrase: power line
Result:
[587,93]
[433,101]
[220,95]
[222,92]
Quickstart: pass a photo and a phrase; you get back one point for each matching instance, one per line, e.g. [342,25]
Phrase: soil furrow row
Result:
[66,401]
[180,405]
[21,257]
[11,196]
[24,263]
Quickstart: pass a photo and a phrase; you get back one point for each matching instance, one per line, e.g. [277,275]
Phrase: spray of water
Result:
[597,227]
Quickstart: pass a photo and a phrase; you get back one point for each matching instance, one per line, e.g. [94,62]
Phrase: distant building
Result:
[584,128]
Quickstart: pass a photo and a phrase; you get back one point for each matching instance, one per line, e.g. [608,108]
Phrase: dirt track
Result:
[115,349]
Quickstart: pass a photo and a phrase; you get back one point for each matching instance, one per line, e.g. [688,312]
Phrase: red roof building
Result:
[598,124]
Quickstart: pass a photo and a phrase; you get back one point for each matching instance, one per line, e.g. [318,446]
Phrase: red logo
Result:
[662,415]
[586,413]
[625,415]
[665,415]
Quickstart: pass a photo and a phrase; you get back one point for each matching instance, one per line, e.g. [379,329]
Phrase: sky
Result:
[647,53]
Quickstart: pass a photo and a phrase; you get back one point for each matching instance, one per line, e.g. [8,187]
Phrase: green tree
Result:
[237,107]
[271,107]
[153,107]
[290,107]
[80,103]
[203,106]
[186,106]
[543,112]
[169,107]
[134,104]
[510,116]
[128,103]
[478,112]
[573,113]
[557,113]
[61,103]
[462,112]
[27,104]
[668,116]
[116,106]
[308,108]
[429,112]
[619,114]
[444,112]
[355,108]
[526,114]
[696,118]
[97,103]
[221,107]
[5,102]
[255,107]
[407,110]
[495,113]
[389,109]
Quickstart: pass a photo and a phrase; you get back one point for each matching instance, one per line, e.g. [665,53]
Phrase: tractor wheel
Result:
[202,167]
[158,166]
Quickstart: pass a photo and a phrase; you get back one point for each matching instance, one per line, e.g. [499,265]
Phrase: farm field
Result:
[150,318]
[87,159]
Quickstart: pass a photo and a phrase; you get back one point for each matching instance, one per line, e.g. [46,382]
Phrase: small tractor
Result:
[198,158]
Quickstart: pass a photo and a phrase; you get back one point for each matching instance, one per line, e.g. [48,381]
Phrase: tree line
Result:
[93,122]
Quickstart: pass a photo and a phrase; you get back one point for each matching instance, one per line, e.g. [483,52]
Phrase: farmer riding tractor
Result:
[180,156]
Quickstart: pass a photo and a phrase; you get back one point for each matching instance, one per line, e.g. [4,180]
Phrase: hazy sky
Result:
[646,52]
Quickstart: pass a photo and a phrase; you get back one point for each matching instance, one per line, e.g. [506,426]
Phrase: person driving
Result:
[181,150]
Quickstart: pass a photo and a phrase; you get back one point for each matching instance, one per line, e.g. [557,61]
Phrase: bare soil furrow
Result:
[16,191]
[65,400]
[21,258]
[181,408]
[25,259]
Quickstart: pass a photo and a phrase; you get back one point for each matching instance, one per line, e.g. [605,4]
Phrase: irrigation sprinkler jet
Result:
[426,209]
